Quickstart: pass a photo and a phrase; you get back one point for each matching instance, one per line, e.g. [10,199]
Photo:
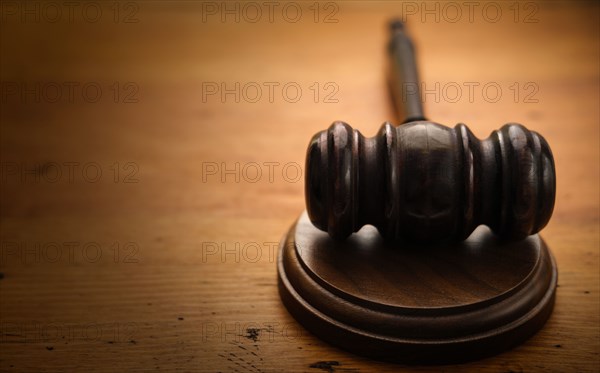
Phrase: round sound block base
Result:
[416,304]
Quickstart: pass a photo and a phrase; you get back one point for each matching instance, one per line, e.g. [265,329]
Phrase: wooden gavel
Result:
[425,182]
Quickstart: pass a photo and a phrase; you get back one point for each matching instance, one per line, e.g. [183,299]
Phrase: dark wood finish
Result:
[434,304]
[426,182]
[170,212]
[423,181]
[403,75]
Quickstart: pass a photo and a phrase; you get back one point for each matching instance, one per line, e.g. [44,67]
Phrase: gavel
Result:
[425,182]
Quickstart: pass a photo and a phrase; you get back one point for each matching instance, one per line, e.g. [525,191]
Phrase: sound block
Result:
[416,304]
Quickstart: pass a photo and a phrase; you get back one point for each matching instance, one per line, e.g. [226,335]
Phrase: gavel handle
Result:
[404,79]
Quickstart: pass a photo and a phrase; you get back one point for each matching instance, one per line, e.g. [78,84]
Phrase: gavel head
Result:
[426,182]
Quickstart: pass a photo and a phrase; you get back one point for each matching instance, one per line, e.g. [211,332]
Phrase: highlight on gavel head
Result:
[425,182]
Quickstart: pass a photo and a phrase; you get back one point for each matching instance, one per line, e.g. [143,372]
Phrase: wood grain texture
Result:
[414,304]
[192,285]
[425,182]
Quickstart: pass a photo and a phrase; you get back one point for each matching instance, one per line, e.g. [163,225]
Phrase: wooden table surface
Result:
[152,157]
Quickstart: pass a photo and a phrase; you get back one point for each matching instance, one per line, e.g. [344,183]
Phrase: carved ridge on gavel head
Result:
[426,182]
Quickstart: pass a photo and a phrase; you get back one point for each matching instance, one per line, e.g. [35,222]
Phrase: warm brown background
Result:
[166,298]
